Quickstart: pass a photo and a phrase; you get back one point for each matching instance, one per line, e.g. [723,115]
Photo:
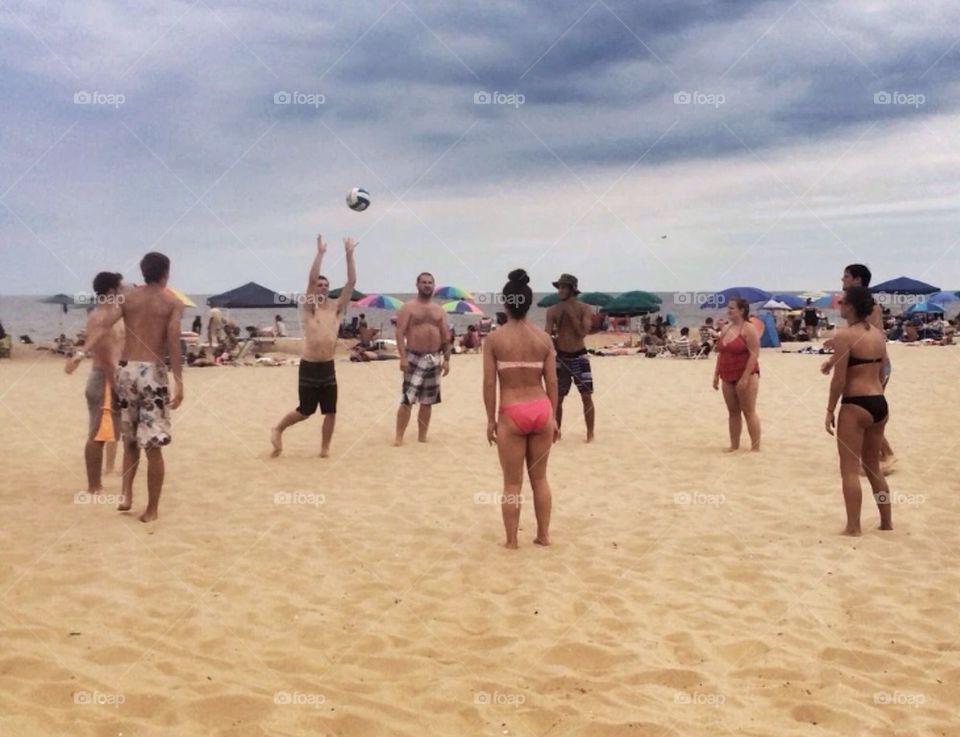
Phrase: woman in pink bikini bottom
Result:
[520,357]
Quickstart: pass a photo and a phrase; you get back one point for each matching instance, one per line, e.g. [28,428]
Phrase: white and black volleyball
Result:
[358,199]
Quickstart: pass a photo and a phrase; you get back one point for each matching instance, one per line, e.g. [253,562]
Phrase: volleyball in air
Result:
[358,199]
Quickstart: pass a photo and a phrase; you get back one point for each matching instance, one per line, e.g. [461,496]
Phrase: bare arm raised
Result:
[313,290]
[347,292]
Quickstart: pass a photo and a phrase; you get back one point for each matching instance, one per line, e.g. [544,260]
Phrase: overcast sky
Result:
[770,142]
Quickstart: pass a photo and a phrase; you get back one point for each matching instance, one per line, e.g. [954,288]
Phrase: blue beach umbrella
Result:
[720,299]
[940,298]
[923,308]
[793,301]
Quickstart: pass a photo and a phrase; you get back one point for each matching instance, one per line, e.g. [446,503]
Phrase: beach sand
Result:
[688,592]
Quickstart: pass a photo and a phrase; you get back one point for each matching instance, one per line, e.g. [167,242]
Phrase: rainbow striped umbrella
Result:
[380,302]
[461,307]
[452,293]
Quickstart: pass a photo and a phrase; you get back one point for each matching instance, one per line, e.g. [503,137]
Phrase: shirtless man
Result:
[321,322]
[568,322]
[423,343]
[106,287]
[151,318]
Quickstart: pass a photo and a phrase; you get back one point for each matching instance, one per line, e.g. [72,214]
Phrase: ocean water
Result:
[26,315]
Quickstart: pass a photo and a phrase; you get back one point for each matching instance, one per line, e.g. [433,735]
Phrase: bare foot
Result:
[398,442]
[98,490]
[149,515]
[886,527]
[126,501]
[851,532]
[511,546]
[324,452]
[541,540]
[755,448]
[276,442]
[731,450]
[422,439]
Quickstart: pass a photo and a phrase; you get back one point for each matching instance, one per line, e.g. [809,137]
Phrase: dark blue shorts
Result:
[574,368]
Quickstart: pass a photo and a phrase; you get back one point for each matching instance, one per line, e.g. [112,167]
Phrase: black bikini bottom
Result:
[875,404]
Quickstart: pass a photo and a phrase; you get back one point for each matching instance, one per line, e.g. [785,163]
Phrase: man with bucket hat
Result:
[568,322]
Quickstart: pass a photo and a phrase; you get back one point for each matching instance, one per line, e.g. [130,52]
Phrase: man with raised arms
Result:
[317,381]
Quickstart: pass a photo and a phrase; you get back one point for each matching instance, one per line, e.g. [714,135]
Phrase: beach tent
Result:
[250,295]
[63,300]
[769,338]
[904,285]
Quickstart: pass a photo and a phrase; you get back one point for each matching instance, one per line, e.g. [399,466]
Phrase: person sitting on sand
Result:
[682,346]
[650,343]
[470,341]
[708,334]
[738,353]
[317,377]
[859,354]
[521,358]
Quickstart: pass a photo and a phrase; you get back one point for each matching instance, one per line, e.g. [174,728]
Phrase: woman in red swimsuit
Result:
[738,368]
[521,357]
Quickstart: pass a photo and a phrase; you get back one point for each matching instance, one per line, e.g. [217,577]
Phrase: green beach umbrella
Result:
[597,299]
[633,303]
[357,294]
[549,301]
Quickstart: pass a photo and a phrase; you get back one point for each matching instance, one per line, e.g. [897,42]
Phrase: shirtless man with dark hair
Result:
[568,322]
[100,384]
[151,318]
[423,343]
[317,375]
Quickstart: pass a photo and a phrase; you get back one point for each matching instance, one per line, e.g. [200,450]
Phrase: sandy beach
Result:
[687,592]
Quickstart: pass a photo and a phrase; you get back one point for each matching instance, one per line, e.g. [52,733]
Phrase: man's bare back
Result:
[149,315]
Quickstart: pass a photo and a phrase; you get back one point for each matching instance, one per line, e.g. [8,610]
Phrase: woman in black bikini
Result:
[859,354]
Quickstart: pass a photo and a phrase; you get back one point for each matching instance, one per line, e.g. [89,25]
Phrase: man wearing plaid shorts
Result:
[423,342]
